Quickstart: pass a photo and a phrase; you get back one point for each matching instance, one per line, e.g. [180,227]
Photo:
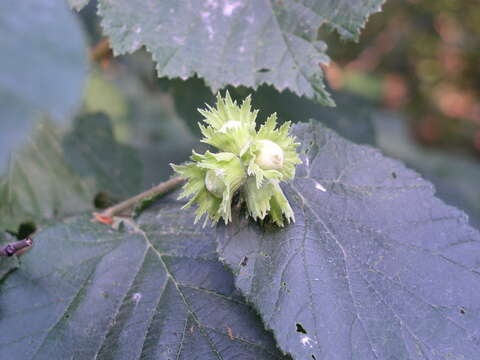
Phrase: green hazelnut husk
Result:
[250,162]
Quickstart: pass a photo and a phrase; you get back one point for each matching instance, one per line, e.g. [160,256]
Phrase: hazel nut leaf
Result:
[251,163]
[212,180]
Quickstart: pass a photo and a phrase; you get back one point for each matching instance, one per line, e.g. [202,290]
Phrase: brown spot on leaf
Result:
[230,333]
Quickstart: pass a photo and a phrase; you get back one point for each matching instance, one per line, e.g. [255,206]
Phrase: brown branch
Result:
[101,50]
[162,188]
[16,247]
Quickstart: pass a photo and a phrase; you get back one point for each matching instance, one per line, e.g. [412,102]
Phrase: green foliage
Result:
[236,42]
[159,292]
[43,68]
[370,274]
[455,175]
[59,174]
[371,258]
[375,266]
[351,118]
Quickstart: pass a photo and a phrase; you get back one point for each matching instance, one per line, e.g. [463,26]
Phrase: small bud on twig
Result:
[16,247]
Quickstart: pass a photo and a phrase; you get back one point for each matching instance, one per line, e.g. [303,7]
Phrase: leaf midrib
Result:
[182,295]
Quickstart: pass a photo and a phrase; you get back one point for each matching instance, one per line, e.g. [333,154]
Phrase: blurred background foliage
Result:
[419,57]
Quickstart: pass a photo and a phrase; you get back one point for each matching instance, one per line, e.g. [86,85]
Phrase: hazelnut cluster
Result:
[251,163]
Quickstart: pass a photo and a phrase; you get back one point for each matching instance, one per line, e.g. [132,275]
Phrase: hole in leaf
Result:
[26,229]
[300,328]
[462,311]
[394,175]
[102,200]
[244,261]
[264,70]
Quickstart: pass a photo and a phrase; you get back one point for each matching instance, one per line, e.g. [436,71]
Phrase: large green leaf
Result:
[60,173]
[43,65]
[375,267]
[87,292]
[236,42]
